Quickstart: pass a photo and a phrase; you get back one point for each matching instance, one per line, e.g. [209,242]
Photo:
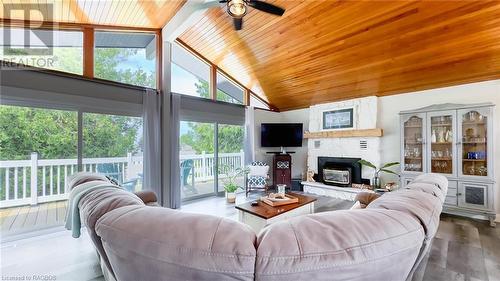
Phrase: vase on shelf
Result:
[433,137]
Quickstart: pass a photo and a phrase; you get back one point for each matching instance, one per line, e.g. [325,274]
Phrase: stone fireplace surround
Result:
[367,148]
[365,117]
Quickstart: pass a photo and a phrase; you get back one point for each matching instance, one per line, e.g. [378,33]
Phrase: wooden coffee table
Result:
[257,217]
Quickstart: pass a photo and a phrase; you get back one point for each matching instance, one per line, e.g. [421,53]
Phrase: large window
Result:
[126,57]
[228,90]
[50,49]
[190,75]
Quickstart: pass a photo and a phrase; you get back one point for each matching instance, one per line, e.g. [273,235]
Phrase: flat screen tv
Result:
[281,134]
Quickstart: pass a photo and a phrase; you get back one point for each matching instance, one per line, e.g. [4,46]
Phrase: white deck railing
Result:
[44,180]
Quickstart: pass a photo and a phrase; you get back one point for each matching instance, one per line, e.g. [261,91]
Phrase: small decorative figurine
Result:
[310,176]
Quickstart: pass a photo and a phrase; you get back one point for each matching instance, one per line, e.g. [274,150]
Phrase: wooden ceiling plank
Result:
[123,7]
[314,47]
[288,24]
[118,9]
[426,39]
[309,58]
[148,9]
[255,18]
[131,16]
[355,92]
[169,10]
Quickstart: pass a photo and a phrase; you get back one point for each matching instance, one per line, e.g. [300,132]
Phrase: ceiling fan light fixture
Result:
[237,8]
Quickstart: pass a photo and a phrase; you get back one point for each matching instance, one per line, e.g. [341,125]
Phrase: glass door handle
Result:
[459,194]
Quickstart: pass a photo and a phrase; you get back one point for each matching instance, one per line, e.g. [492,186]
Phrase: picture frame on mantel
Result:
[339,119]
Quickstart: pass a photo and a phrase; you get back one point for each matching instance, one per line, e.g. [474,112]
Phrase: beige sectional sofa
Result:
[384,241]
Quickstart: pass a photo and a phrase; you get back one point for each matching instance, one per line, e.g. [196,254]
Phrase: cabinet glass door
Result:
[413,144]
[442,144]
[474,145]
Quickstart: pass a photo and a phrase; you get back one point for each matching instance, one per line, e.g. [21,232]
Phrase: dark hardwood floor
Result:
[463,249]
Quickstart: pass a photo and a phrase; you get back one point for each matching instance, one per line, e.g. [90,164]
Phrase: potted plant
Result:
[229,176]
[376,176]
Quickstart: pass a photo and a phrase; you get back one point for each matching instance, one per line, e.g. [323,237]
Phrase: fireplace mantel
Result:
[344,193]
[345,134]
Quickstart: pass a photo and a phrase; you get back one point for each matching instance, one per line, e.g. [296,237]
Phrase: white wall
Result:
[299,158]
[390,106]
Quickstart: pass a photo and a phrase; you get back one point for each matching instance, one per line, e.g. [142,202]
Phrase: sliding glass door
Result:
[112,146]
[196,155]
[230,154]
[208,153]
[39,151]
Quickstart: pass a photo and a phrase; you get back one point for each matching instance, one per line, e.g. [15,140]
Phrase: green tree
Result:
[53,134]
[107,61]
[200,136]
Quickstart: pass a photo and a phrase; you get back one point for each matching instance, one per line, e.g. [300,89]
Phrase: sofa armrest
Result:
[147,196]
[365,198]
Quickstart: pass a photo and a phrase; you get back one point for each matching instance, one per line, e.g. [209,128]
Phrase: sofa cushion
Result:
[424,207]
[261,171]
[144,243]
[428,188]
[340,245]
[439,180]
[83,177]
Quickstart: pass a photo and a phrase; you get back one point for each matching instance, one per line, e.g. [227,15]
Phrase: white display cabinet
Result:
[454,140]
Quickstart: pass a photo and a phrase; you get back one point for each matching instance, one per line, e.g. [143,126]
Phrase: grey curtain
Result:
[152,138]
[175,189]
[249,135]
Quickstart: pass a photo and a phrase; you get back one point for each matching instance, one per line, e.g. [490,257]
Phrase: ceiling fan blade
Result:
[266,7]
[222,1]
[238,23]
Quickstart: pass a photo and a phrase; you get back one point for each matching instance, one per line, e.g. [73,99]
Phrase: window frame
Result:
[236,84]
[88,32]
[213,78]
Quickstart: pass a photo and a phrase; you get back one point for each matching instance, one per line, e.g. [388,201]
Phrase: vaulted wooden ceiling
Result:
[322,51]
[152,14]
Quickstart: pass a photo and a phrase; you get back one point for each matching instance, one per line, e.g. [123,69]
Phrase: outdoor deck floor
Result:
[17,220]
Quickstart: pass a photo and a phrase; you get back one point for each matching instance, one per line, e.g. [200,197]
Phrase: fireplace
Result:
[339,171]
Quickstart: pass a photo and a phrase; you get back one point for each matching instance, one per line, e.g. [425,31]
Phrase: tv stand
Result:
[282,169]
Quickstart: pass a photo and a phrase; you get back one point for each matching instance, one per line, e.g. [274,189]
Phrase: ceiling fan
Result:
[238,8]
